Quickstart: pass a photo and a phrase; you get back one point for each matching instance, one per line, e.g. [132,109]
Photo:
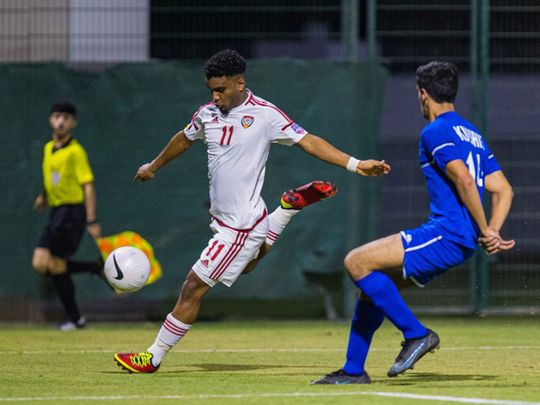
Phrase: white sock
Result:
[278,220]
[170,334]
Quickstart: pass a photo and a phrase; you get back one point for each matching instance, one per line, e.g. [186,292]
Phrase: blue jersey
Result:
[447,138]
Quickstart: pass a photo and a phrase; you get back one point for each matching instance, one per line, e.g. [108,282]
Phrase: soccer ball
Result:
[127,269]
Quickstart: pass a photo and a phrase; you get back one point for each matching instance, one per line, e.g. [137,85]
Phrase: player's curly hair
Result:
[439,79]
[224,63]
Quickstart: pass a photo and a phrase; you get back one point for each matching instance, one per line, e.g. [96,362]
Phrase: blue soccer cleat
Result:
[341,377]
[413,350]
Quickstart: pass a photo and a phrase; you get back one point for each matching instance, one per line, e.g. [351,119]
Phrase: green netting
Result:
[128,113]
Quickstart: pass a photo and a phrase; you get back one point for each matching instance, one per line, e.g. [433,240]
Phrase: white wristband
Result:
[352,164]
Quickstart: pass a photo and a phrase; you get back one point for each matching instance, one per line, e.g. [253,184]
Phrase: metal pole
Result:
[473,71]
[483,97]
[484,64]
[349,29]
[349,37]
[474,56]
[372,29]
[479,100]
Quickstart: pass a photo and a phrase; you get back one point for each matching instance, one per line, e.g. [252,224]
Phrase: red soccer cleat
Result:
[136,362]
[300,197]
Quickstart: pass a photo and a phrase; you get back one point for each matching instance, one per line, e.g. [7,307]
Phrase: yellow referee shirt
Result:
[65,170]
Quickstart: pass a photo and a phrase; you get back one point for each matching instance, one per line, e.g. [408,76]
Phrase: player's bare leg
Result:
[189,303]
[45,263]
[376,270]
[40,260]
[176,325]
[265,248]
[368,317]
[185,312]
[369,265]
[57,265]
[384,255]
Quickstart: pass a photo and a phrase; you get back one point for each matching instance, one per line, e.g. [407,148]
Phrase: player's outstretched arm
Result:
[178,144]
[323,150]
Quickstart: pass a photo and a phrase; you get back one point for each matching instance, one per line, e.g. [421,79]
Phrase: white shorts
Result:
[229,252]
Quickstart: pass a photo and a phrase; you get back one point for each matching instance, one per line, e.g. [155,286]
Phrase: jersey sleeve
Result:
[194,130]
[440,146]
[283,130]
[83,171]
[491,165]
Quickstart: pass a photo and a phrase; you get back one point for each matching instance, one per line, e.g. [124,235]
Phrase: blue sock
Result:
[385,295]
[366,320]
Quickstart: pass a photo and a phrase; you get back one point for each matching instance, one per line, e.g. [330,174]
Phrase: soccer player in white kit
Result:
[238,129]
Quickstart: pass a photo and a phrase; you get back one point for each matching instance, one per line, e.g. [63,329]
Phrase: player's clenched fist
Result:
[144,173]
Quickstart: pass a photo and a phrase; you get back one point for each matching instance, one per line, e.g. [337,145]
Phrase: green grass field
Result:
[494,360]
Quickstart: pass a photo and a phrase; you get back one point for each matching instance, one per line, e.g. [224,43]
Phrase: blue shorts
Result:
[428,253]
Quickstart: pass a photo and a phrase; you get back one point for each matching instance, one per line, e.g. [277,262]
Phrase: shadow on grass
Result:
[242,367]
[412,379]
[220,368]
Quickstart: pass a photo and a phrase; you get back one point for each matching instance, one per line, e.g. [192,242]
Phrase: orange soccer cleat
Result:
[136,362]
[300,197]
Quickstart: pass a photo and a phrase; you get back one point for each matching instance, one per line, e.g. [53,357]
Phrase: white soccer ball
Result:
[127,269]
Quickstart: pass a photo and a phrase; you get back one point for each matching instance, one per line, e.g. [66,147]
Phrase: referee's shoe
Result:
[413,350]
[69,325]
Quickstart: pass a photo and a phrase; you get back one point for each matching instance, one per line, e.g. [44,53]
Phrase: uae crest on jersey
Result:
[247,120]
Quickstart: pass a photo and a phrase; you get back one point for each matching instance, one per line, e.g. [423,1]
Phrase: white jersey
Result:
[238,144]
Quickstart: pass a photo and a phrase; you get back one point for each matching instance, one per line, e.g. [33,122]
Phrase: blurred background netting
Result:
[344,69]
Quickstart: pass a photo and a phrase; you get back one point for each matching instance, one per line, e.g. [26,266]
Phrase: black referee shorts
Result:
[64,231]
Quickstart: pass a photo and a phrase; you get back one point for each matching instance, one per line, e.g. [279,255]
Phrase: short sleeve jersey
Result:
[447,138]
[238,144]
[65,170]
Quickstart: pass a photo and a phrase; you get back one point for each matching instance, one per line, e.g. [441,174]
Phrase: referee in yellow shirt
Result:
[69,192]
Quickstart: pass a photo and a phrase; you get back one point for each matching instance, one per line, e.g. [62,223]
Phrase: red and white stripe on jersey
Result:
[252,100]
[272,235]
[233,251]
[199,109]
[195,115]
[175,330]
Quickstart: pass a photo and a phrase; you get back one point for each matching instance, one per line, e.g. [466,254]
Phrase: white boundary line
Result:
[404,395]
[261,350]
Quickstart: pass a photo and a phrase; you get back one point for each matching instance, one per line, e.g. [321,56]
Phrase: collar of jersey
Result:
[55,149]
[244,103]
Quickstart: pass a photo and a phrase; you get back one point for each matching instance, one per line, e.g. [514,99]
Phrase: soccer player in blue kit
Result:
[458,167]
